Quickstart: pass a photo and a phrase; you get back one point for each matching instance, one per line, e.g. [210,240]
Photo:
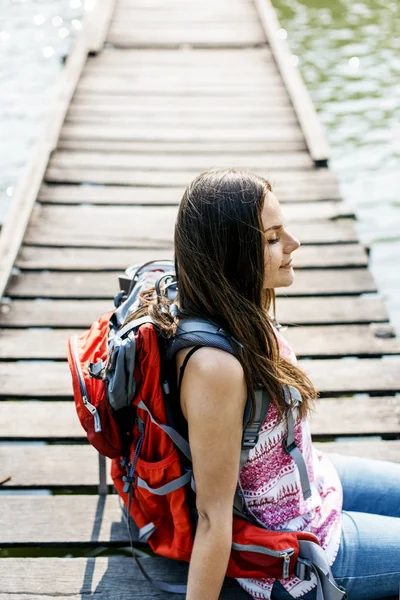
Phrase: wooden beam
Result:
[53,466]
[330,310]
[361,341]
[333,377]
[85,259]
[103,285]
[101,578]
[302,103]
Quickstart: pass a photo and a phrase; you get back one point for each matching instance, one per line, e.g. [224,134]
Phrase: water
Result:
[348,55]
[35,36]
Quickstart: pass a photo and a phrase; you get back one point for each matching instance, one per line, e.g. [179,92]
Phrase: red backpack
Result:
[124,394]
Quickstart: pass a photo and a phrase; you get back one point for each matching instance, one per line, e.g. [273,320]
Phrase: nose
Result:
[292,243]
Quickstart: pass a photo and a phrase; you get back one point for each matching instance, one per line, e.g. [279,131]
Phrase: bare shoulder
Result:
[214,374]
[211,363]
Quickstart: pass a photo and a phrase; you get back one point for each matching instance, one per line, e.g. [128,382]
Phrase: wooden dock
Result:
[153,93]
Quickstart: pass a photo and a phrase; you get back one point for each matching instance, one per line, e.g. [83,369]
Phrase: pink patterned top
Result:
[272,489]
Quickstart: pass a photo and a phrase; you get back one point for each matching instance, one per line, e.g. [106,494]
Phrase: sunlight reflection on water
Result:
[349,58]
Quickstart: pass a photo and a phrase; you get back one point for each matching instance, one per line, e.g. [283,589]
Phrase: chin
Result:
[285,281]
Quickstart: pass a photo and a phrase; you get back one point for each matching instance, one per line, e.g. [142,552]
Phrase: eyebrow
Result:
[276,227]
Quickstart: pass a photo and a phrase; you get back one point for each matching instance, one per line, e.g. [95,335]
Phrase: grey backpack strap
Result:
[292,394]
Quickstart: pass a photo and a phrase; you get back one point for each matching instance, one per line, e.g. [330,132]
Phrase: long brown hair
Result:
[219,261]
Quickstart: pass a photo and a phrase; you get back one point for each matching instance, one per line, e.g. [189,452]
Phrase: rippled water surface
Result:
[35,35]
[348,54]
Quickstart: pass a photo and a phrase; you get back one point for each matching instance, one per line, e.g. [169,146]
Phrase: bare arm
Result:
[213,397]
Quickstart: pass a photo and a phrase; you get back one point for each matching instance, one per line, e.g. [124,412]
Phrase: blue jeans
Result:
[368,561]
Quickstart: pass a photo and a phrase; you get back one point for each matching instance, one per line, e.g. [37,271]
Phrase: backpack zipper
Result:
[286,562]
[85,397]
[285,554]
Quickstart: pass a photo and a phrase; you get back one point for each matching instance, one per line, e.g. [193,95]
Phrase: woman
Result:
[232,249]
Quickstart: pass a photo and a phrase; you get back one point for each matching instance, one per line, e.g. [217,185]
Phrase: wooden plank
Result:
[80,313]
[140,226]
[307,187]
[378,450]
[178,162]
[357,416]
[343,340]
[352,376]
[317,342]
[66,259]
[191,57]
[215,36]
[54,466]
[278,133]
[148,73]
[194,110]
[34,420]
[13,229]
[78,578]
[175,147]
[50,466]
[331,376]
[121,84]
[121,101]
[92,285]
[132,119]
[30,420]
[52,313]
[285,190]
[61,520]
[302,103]
[331,310]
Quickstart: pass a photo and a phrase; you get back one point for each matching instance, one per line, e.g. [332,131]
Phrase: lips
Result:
[287,266]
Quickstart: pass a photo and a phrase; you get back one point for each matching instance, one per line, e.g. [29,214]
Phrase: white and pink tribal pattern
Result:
[272,489]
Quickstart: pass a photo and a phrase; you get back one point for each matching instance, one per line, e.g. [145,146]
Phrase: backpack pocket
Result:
[92,407]
[160,494]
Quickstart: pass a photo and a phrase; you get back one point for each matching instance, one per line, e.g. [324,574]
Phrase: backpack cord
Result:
[185,362]
[161,585]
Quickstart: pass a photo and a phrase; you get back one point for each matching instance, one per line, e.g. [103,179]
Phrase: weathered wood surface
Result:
[114,83]
[178,162]
[305,182]
[112,578]
[286,191]
[348,416]
[217,36]
[120,100]
[247,58]
[49,467]
[141,226]
[277,134]
[96,285]
[315,342]
[67,259]
[45,379]
[25,420]
[299,311]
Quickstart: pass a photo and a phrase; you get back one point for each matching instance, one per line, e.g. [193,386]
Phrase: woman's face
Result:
[279,245]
